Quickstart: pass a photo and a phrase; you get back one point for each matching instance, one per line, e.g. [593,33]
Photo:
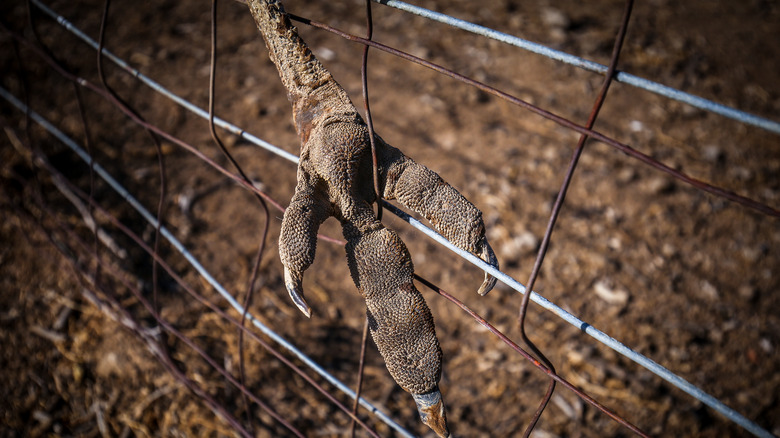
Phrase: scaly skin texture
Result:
[335,178]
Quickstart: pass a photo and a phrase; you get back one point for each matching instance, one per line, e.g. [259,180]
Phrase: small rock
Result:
[259,185]
[109,364]
[691,111]
[432,102]
[557,21]
[519,245]
[769,194]
[612,216]
[229,140]
[766,345]
[254,103]
[420,51]
[740,173]
[325,54]
[141,59]
[607,291]
[554,18]
[712,153]
[572,410]
[708,290]
[541,433]
[42,417]
[751,254]
[626,175]
[447,139]
[716,336]
[747,292]
[659,185]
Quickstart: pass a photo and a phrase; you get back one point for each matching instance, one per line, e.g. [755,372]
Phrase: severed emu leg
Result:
[335,179]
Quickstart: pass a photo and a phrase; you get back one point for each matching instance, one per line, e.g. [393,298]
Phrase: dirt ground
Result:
[688,279]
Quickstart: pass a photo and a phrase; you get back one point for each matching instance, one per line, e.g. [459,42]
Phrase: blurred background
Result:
[685,278]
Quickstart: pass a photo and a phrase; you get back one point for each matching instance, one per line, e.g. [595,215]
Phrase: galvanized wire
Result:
[600,336]
[514,284]
[576,61]
[176,243]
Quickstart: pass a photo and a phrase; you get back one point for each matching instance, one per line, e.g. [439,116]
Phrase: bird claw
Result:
[431,409]
[490,257]
[294,286]
[332,180]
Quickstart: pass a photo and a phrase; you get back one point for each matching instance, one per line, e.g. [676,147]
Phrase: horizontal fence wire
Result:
[600,336]
[576,61]
[176,243]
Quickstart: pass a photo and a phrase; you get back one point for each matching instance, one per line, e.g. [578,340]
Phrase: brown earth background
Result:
[688,279]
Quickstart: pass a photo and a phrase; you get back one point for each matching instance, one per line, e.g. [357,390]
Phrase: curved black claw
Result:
[431,409]
[490,257]
[294,286]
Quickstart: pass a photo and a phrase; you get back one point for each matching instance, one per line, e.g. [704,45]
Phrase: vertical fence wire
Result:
[566,58]
[585,327]
[195,263]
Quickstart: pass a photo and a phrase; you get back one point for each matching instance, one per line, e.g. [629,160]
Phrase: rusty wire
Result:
[665,91]
[367,106]
[169,270]
[551,373]
[152,254]
[260,200]
[160,348]
[628,150]
[155,141]
[110,306]
[157,348]
[359,383]
[43,162]
[153,307]
[584,130]
[116,222]
[112,97]
[557,209]
[377,191]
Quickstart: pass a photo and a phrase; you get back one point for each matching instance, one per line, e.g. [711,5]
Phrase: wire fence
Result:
[621,76]
[512,283]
